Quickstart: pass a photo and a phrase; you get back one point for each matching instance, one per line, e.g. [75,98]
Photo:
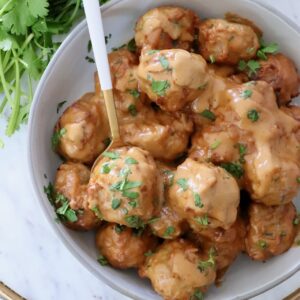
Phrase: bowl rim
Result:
[64,238]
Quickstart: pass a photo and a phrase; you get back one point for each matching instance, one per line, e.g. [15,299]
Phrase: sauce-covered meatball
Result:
[227,244]
[225,42]
[178,270]
[124,247]
[205,195]
[164,135]
[166,28]
[270,231]
[81,131]
[172,78]
[124,187]
[168,224]
[254,140]
[71,185]
[281,73]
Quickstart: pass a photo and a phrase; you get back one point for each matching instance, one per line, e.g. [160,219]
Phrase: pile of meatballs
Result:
[212,157]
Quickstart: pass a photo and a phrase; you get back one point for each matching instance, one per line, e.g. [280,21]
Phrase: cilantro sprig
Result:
[29,31]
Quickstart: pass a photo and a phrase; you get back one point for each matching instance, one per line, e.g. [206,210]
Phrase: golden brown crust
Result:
[225,42]
[166,27]
[281,73]
[124,247]
[71,181]
[270,231]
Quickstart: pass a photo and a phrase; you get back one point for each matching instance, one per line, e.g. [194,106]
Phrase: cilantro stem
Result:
[30,93]
[3,81]
[11,127]
[74,13]
[26,42]
[6,59]
[2,10]
[3,104]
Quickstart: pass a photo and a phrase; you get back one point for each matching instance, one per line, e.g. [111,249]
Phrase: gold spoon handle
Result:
[7,294]
[293,296]
[112,114]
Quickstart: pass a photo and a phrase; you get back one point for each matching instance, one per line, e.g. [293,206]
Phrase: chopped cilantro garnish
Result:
[111,155]
[235,169]
[131,161]
[266,49]
[215,145]
[151,52]
[134,221]
[242,151]
[115,204]
[89,59]
[105,168]
[197,200]
[97,212]
[153,220]
[164,62]
[160,87]
[119,228]
[131,45]
[262,244]
[107,38]
[183,183]
[60,105]
[298,179]
[253,115]
[102,260]
[203,266]
[131,185]
[208,115]
[212,59]
[135,94]
[148,253]
[198,295]
[133,203]
[56,137]
[252,66]
[132,110]
[64,211]
[246,94]
[131,195]
[169,231]
[203,221]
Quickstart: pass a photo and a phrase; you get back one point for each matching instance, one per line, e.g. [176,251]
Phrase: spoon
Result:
[95,26]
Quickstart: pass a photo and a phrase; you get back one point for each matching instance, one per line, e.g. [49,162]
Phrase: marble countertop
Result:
[33,261]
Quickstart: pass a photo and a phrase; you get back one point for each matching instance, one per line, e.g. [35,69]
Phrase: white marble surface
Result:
[32,260]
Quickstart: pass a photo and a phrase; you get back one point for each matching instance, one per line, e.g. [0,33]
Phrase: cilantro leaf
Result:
[235,169]
[38,8]
[160,87]
[208,115]
[183,183]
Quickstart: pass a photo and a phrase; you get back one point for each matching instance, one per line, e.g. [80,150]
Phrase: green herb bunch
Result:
[29,31]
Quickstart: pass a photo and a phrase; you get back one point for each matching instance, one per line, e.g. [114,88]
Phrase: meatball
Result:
[71,188]
[168,224]
[166,28]
[270,230]
[281,73]
[225,42]
[81,131]
[227,244]
[124,247]
[124,186]
[271,171]
[205,195]
[164,135]
[177,270]
[172,78]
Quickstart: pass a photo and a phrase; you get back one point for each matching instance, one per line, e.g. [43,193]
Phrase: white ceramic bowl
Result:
[69,76]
